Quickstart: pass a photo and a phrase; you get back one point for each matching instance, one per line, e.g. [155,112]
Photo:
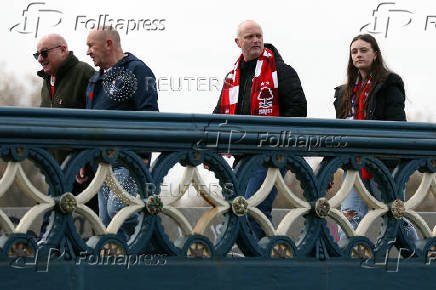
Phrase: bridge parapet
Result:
[110,138]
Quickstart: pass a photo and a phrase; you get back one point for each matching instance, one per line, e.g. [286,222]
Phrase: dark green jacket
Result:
[70,85]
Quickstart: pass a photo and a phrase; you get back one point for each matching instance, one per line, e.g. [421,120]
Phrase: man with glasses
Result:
[64,77]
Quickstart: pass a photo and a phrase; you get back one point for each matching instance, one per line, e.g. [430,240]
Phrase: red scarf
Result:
[361,114]
[264,91]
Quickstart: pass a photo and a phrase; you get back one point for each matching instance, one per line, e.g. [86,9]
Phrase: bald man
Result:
[260,84]
[123,83]
[65,78]
[275,90]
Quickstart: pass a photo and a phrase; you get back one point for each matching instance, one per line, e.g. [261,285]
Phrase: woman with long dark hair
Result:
[372,92]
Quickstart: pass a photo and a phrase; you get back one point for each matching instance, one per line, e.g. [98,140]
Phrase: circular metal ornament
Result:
[154,204]
[240,206]
[198,250]
[398,209]
[322,207]
[361,251]
[112,249]
[20,249]
[67,203]
[282,250]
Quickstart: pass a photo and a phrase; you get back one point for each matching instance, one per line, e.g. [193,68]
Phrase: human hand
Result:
[331,183]
[81,178]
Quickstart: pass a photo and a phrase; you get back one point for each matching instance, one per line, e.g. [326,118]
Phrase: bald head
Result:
[247,23]
[104,46]
[53,39]
[108,33]
[250,39]
[52,50]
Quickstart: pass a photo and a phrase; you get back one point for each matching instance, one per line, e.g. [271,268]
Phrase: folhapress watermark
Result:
[127,261]
[120,24]
[38,17]
[220,136]
[285,139]
[41,262]
[224,135]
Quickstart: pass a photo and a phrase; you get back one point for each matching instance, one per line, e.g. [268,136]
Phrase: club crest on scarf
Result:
[264,90]
[265,98]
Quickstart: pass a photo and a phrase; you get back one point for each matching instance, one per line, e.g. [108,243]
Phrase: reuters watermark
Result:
[213,188]
[184,83]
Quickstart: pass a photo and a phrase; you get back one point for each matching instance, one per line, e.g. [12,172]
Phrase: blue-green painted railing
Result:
[192,139]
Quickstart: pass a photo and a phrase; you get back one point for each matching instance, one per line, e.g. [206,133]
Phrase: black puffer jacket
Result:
[292,102]
[386,102]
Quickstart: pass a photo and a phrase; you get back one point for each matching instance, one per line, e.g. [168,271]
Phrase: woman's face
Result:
[362,54]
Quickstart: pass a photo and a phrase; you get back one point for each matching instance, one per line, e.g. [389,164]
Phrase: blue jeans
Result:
[357,209]
[265,206]
[109,204]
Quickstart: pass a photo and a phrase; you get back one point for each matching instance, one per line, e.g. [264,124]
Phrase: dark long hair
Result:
[378,72]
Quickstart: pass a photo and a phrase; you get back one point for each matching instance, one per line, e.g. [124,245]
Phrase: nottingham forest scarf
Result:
[264,91]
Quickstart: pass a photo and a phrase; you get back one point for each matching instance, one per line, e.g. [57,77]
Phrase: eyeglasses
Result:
[44,52]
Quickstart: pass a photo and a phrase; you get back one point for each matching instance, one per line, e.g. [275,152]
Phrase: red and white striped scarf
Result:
[264,91]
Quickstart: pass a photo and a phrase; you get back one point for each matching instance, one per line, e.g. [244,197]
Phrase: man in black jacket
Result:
[291,99]
[260,84]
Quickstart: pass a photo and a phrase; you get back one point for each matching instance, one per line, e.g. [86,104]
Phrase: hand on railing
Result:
[82,177]
[331,183]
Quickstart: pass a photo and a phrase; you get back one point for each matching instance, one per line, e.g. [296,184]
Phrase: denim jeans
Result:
[354,205]
[265,206]
[109,204]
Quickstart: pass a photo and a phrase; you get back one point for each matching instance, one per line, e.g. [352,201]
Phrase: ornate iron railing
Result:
[105,137]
